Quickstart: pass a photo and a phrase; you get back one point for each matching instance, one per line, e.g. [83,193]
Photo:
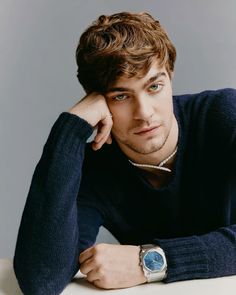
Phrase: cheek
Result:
[119,123]
[121,117]
[164,110]
[165,114]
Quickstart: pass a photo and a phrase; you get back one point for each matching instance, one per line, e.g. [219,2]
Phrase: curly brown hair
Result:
[122,44]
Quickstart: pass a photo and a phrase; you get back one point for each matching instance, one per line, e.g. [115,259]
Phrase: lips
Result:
[146,130]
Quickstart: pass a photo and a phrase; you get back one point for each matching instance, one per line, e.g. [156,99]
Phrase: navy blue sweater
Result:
[75,190]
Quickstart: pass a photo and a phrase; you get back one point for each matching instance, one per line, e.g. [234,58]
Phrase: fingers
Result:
[109,139]
[103,134]
[86,254]
[96,283]
[93,276]
[87,266]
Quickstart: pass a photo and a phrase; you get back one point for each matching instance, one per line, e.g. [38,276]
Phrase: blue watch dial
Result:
[153,261]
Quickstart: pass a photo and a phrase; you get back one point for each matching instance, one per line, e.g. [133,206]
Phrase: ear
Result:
[171,76]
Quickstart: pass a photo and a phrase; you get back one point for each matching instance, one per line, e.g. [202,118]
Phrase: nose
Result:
[143,108]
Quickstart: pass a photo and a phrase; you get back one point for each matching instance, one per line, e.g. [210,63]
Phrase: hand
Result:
[93,108]
[111,266]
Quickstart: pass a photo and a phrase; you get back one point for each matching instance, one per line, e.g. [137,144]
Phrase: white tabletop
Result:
[219,286]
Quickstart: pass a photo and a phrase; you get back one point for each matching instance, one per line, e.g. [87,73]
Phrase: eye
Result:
[120,97]
[155,87]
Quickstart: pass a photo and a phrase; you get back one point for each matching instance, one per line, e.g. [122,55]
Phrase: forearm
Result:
[47,246]
[205,256]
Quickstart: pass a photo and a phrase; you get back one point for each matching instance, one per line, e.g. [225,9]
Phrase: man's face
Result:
[142,111]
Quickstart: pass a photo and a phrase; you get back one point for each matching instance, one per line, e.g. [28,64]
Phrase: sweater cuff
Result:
[186,258]
[68,133]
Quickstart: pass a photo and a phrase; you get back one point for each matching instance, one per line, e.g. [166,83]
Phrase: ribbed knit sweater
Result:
[75,190]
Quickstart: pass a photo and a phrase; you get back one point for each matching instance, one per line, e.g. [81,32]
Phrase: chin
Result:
[146,148]
[142,146]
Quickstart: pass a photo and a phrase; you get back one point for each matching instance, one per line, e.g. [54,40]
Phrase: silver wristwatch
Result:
[153,262]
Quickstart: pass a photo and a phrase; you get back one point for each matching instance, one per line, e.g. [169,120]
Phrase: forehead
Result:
[140,77]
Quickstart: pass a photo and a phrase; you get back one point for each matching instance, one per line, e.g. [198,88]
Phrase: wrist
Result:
[83,115]
[142,277]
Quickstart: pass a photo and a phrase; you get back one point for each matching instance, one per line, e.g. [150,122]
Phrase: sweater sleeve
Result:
[52,225]
[212,254]
[199,257]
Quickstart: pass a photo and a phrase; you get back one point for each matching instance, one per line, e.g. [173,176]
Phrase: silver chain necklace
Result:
[160,166]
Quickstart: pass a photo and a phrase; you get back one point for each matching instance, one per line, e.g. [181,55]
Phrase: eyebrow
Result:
[150,80]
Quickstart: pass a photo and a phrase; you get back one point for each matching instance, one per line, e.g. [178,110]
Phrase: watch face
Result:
[153,261]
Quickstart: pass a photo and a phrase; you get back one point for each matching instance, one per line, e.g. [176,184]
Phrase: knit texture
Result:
[75,190]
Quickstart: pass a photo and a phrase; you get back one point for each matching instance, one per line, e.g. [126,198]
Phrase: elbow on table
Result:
[32,282]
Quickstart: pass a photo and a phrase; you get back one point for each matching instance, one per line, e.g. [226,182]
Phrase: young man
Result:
[164,184]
